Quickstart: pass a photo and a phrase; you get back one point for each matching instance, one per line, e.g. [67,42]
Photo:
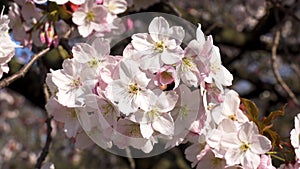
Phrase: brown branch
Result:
[46,147]
[276,72]
[21,73]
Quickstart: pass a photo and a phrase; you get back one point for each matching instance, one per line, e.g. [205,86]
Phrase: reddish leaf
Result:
[273,115]
[251,109]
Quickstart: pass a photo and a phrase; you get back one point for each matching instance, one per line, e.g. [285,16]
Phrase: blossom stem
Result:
[273,154]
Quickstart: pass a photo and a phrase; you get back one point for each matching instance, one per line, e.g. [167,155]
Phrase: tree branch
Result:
[21,73]
[276,72]
[46,147]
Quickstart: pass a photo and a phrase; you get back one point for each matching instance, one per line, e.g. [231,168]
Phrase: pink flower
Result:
[165,76]
[294,136]
[265,162]
[160,46]
[65,115]
[76,2]
[295,165]
[7,46]
[158,118]
[129,91]
[48,36]
[90,16]
[69,82]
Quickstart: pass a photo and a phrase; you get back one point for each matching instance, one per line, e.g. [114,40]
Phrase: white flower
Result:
[92,56]
[229,109]
[7,46]
[129,134]
[61,2]
[227,128]
[65,115]
[218,73]
[115,6]
[246,147]
[187,112]
[69,82]
[162,45]
[158,118]
[89,17]
[295,136]
[40,1]
[129,92]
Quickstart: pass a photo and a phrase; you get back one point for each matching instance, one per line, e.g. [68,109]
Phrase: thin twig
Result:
[46,147]
[130,159]
[276,72]
[21,73]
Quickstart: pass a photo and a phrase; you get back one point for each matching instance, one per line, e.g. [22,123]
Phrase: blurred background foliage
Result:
[243,29]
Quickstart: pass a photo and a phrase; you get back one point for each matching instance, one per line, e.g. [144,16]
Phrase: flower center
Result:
[77,83]
[93,63]
[153,113]
[134,88]
[160,46]
[232,117]
[90,16]
[245,147]
[214,68]
[187,62]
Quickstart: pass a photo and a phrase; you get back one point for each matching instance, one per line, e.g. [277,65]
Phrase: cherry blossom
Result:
[218,73]
[76,2]
[7,46]
[161,46]
[165,76]
[186,114]
[90,16]
[91,56]
[128,134]
[295,165]
[130,92]
[229,109]
[265,162]
[69,82]
[40,1]
[227,128]
[115,6]
[295,133]
[246,146]
[158,118]
[194,66]
[65,115]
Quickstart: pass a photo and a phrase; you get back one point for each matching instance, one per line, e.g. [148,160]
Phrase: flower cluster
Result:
[30,27]
[98,16]
[156,92]
[144,94]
